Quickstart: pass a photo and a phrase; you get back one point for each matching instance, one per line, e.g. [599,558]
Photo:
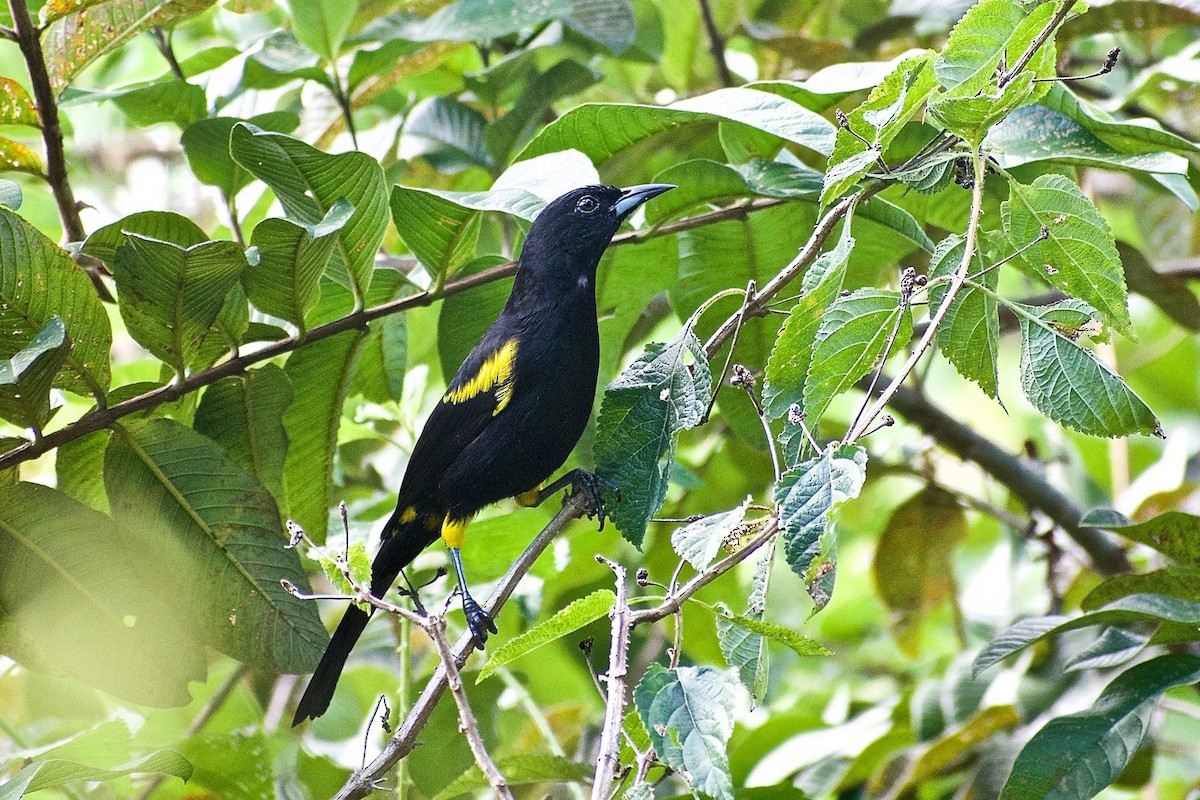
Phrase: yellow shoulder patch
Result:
[496,372]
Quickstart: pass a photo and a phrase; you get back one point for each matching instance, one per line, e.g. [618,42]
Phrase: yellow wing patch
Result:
[496,372]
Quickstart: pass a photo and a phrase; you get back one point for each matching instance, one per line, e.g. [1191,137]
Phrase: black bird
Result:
[511,415]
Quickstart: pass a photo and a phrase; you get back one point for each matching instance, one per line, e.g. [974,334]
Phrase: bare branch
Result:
[1030,51]
[716,44]
[466,717]
[614,708]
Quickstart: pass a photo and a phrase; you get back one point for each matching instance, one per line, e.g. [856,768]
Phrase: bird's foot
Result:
[479,622]
[590,485]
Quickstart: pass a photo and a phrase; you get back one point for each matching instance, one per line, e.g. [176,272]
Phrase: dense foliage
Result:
[284,225]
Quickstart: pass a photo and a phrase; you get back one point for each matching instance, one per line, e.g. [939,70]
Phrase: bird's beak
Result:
[634,196]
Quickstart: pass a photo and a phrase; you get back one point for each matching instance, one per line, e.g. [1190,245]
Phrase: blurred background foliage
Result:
[935,556]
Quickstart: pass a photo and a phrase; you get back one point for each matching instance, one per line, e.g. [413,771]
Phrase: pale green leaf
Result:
[518,770]
[566,620]
[57,772]
[320,25]
[969,334]
[25,379]
[699,541]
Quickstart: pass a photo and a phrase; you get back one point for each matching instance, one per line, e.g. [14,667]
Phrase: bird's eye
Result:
[587,204]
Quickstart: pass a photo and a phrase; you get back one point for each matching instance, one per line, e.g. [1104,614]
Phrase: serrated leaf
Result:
[244,414]
[991,33]
[1079,256]
[321,375]
[38,280]
[1068,383]
[77,38]
[1175,534]
[1076,756]
[520,769]
[973,115]
[743,649]
[179,494]
[566,620]
[854,333]
[79,596]
[171,295]
[206,145]
[969,334]
[791,357]
[799,644]
[1132,608]
[808,498]
[877,120]
[914,561]
[358,563]
[600,130]
[659,395]
[286,281]
[689,714]
[309,182]
[699,541]
[25,379]
[16,106]
[55,772]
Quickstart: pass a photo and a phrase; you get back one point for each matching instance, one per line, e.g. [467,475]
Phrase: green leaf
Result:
[465,317]
[1115,646]
[609,22]
[78,598]
[171,295]
[175,101]
[914,561]
[1068,383]
[801,645]
[10,194]
[1173,581]
[1132,608]
[972,116]
[206,145]
[791,357]
[808,499]
[359,565]
[689,714]
[877,120]
[601,130]
[745,650]
[16,106]
[321,25]
[179,494]
[1076,756]
[447,133]
[383,361]
[969,334]
[1079,256]
[38,280]
[286,281]
[163,226]
[700,540]
[25,378]
[480,20]
[659,395]
[79,470]
[321,375]
[566,78]
[308,183]
[1175,534]
[1170,293]
[992,33]
[854,333]
[55,772]
[79,37]
[244,414]
[518,770]
[566,620]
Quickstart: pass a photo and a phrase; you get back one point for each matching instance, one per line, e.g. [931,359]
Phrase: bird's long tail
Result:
[401,545]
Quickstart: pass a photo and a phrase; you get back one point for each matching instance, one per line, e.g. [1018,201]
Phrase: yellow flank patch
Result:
[527,499]
[454,532]
[408,515]
[496,372]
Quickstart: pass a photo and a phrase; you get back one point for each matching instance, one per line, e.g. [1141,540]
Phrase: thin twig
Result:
[956,283]
[356,320]
[712,401]
[466,717]
[1030,51]
[608,758]
[716,44]
[743,379]
[162,40]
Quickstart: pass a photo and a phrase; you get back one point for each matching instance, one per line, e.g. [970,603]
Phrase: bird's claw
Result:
[589,484]
[479,622]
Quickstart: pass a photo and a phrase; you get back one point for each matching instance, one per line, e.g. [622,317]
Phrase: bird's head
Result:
[572,231]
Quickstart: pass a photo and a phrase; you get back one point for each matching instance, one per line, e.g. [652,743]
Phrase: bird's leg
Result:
[479,621]
[580,481]
[454,534]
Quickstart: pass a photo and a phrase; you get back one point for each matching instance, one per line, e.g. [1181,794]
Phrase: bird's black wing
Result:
[476,398]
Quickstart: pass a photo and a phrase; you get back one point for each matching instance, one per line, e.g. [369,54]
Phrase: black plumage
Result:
[510,416]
